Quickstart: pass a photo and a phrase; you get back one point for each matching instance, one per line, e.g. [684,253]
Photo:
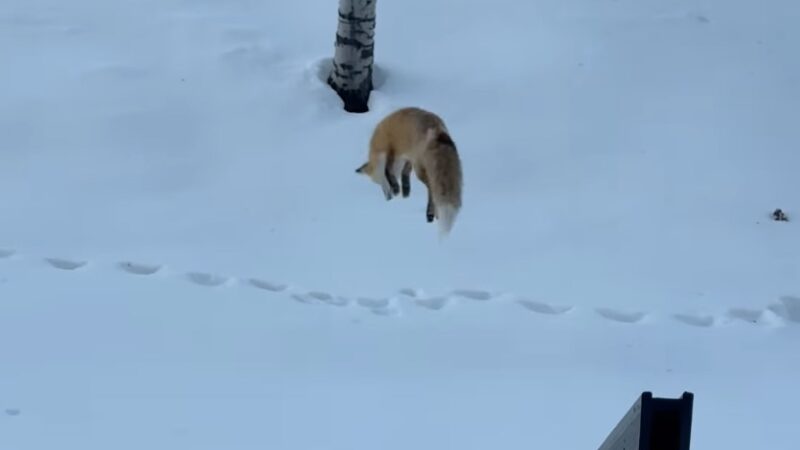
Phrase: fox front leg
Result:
[388,173]
[387,190]
[405,178]
[378,175]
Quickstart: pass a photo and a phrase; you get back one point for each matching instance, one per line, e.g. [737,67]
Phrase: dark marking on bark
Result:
[368,52]
[352,18]
[350,42]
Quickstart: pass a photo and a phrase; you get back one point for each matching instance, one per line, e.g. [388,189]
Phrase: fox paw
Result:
[387,192]
[429,217]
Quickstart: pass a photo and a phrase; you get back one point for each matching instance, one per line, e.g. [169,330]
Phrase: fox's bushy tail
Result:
[446,181]
[447,217]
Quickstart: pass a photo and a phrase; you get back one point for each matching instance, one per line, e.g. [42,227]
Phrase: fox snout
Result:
[362,168]
[367,170]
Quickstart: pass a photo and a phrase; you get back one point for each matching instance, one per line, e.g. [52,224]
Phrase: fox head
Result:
[368,170]
[377,177]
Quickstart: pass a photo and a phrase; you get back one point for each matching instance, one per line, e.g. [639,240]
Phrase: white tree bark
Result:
[351,75]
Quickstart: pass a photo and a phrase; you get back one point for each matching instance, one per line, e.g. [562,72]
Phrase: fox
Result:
[412,138]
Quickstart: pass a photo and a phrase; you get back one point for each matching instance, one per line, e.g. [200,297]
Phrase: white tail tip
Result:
[446,216]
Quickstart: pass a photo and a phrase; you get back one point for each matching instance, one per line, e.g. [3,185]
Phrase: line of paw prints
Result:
[785,310]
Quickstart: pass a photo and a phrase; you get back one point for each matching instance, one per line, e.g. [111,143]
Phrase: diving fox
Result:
[413,138]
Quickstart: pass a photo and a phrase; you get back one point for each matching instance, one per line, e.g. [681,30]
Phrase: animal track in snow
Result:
[544,308]
[378,306]
[12,412]
[433,303]
[206,279]
[321,296]
[324,297]
[314,297]
[788,308]
[695,319]
[303,298]
[785,310]
[473,294]
[65,264]
[266,285]
[747,315]
[409,292]
[338,301]
[373,302]
[620,316]
[139,269]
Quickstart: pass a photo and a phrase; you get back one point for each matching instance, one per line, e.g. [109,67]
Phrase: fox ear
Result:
[361,168]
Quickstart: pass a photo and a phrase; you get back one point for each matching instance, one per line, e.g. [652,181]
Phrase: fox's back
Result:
[404,130]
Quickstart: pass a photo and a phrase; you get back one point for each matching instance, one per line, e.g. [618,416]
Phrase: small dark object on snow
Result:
[779,216]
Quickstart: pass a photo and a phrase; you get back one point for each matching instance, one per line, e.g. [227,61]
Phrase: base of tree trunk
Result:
[355,100]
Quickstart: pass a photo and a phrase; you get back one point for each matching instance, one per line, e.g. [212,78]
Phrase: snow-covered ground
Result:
[188,260]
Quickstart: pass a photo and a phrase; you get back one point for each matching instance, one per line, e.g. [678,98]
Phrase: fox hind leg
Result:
[430,211]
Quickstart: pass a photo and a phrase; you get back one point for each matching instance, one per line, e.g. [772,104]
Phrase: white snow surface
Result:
[188,259]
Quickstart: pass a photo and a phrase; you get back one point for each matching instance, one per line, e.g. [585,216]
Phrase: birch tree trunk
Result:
[351,75]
